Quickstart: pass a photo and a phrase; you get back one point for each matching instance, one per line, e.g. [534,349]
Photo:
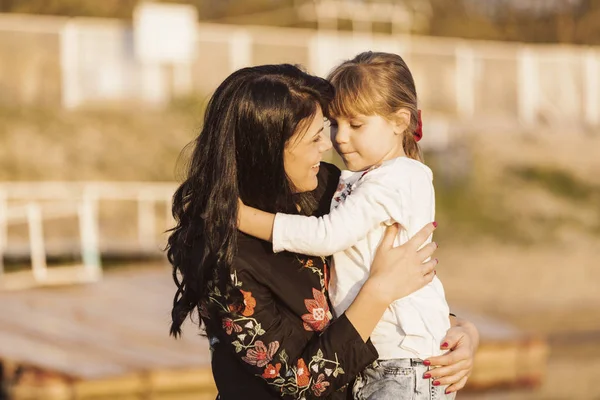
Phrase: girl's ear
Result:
[401,121]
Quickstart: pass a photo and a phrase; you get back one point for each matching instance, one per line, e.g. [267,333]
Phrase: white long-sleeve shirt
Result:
[400,190]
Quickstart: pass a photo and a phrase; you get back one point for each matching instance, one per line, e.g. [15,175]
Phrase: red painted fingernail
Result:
[445,344]
[435,224]
[436,383]
[427,363]
[426,376]
[447,392]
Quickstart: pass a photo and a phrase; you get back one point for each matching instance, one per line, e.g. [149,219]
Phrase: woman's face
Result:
[304,152]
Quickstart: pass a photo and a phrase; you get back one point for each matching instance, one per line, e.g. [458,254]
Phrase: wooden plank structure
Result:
[104,339]
[109,340]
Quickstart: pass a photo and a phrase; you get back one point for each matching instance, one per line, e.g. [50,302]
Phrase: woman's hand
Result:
[399,271]
[455,367]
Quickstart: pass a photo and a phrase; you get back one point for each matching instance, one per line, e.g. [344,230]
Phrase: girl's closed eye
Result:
[355,123]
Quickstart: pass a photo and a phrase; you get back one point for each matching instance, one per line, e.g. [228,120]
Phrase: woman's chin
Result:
[309,185]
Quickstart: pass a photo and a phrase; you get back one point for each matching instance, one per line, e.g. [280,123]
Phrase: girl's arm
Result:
[370,204]
[255,222]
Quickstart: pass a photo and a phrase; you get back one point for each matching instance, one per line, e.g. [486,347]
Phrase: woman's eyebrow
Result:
[319,131]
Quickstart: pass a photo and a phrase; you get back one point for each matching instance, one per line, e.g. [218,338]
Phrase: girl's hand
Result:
[399,271]
[455,367]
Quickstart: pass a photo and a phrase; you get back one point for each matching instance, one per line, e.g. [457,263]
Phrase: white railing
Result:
[462,79]
[35,203]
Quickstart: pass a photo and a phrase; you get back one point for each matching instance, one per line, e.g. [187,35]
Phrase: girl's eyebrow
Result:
[319,131]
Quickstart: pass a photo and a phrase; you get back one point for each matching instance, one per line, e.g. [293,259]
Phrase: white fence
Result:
[35,204]
[95,62]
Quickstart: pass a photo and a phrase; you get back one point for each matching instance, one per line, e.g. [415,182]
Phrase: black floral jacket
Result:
[284,342]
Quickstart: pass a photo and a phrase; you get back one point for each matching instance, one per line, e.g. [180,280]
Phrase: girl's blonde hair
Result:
[374,83]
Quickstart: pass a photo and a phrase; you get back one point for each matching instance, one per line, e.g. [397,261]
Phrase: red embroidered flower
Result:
[319,314]
[230,326]
[271,371]
[320,385]
[249,303]
[261,355]
[308,263]
[302,374]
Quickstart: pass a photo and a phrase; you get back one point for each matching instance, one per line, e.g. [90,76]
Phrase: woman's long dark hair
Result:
[239,153]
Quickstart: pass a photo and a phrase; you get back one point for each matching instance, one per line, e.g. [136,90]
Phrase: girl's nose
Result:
[325,143]
[340,135]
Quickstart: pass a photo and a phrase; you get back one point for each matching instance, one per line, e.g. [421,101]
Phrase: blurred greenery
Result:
[558,182]
[36,144]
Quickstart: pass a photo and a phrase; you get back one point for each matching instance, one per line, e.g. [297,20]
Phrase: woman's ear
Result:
[401,121]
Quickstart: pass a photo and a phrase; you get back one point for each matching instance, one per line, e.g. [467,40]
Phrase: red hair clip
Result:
[419,130]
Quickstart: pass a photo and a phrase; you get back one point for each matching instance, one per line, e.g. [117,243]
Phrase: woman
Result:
[268,316]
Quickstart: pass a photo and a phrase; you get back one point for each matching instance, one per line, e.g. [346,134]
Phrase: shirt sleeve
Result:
[274,344]
[372,202]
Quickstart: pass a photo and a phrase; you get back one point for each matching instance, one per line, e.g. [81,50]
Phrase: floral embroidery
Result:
[291,379]
[345,189]
[230,326]
[302,374]
[249,303]
[320,385]
[271,371]
[326,275]
[310,264]
[261,355]
[319,314]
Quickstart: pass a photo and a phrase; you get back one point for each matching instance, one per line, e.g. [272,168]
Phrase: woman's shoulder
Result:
[256,256]
[251,250]
[328,172]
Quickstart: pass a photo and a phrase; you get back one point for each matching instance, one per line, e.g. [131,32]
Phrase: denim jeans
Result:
[400,379]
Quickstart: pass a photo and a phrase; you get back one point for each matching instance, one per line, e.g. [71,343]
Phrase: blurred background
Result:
[98,99]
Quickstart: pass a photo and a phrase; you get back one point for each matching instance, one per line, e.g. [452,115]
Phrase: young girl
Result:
[375,126]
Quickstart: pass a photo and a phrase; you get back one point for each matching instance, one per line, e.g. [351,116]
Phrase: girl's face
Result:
[304,152]
[364,141]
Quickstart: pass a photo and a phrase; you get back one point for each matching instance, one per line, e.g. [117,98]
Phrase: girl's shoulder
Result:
[403,171]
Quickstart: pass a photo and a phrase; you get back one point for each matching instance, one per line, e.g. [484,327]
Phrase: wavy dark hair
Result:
[239,153]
